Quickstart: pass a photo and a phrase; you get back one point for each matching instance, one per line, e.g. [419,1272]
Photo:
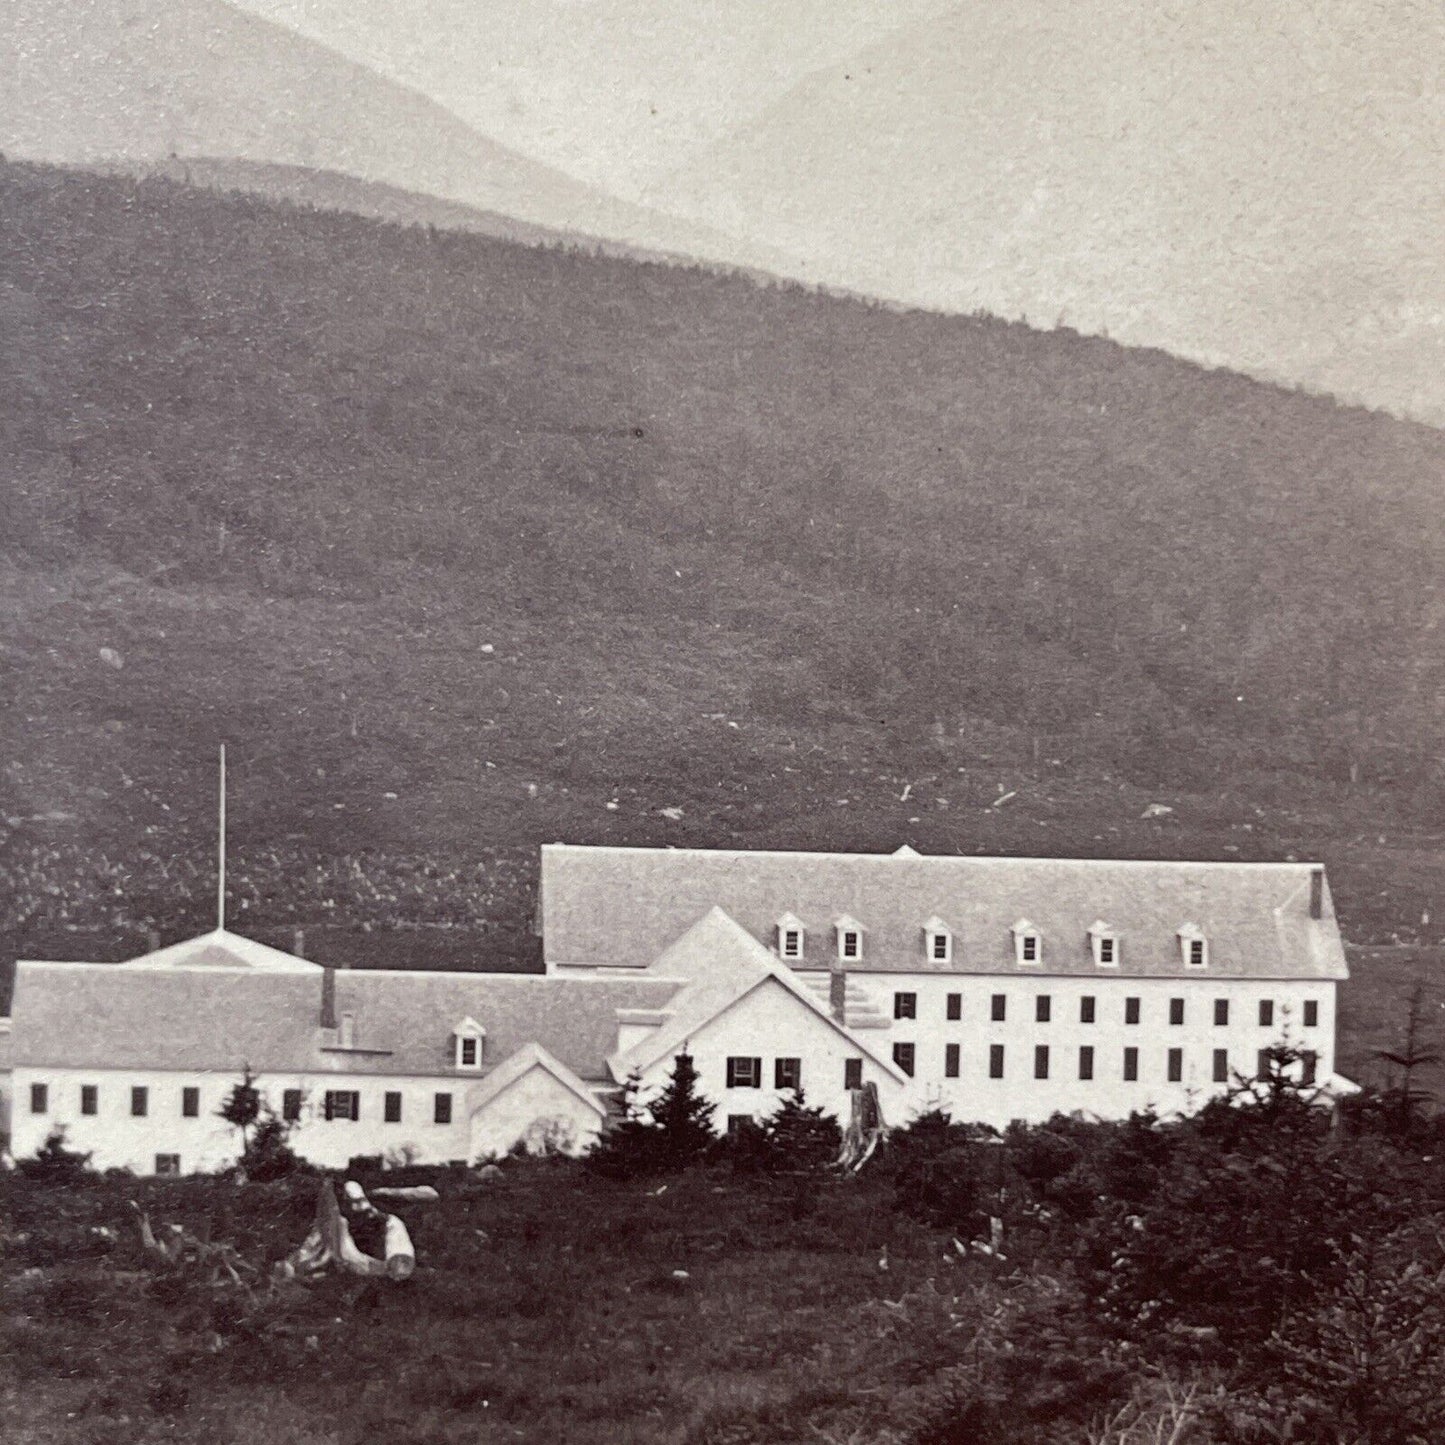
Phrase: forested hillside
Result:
[463,545]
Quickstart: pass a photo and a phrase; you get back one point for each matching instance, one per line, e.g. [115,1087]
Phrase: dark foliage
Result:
[53,1163]
[670,1131]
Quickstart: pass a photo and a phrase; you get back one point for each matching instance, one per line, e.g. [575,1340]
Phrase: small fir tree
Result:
[683,1116]
[801,1140]
[241,1108]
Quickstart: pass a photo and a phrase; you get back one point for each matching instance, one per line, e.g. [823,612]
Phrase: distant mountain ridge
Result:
[100,81]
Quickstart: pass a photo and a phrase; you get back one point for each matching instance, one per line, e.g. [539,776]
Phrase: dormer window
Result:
[938,941]
[791,936]
[850,939]
[1028,945]
[469,1041]
[1193,946]
[1106,945]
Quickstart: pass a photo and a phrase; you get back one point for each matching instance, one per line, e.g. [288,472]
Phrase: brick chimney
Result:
[328,998]
[153,940]
[1317,892]
[298,943]
[838,995]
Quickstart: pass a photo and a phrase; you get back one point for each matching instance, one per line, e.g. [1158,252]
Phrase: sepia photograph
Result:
[722,722]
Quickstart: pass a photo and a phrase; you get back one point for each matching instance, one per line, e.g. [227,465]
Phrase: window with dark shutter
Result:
[291,1105]
[391,1107]
[1041,1061]
[1221,1066]
[1086,1009]
[1086,1061]
[1131,1010]
[1176,1010]
[1043,1008]
[950,1061]
[1266,1012]
[1131,1065]
[344,1104]
[89,1099]
[190,1102]
[903,1057]
[998,1007]
[905,1005]
[140,1097]
[995,1061]
[744,1073]
[442,1109]
[787,1073]
[852,1073]
[1312,1013]
[1176,1066]
[39,1098]
[1221,1011]
[955,1007]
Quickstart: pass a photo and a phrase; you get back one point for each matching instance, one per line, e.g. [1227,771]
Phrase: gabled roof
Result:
[217,1015]
[720,963]
[222,950]
[519,1065]
[620,907]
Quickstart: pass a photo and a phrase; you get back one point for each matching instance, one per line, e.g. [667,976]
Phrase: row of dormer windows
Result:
[1105,944]
[905,1006]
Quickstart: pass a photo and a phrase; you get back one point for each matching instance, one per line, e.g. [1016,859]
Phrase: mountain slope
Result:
[142,80]
[465,545]
[1244,188]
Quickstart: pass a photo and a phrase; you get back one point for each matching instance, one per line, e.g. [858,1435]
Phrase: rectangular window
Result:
[1176,1066]
[938,947]
[442,1111]
[852,1073]
[1196,953]
[1221,1066]
[140,1100]
[1086,1061]
[1221,1011]
[1262,1069]
[995,1061]
[344,1104]
[168,1165]
[1108,952]
[1311,1062]
[905,1005]
[787,1073]
[1043,1007]
[190,1102]
[950,1061]
[745,1073]
[1131,1065]
[792,946]
[737,1123]
[1266,1012]
[39,1098]
[1312,1013]
[998,1008]
[470,1048]
[903,1057]
[1086,1009]
[1131,1010]
[1029,948]
[89,1099]
[955,1007]
[391,1107]
[1176,1010]
[851,946]
[291,1105]
[1041,1061]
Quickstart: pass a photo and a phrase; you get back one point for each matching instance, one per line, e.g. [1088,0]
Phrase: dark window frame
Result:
[190,1102]
[391,1107]
[140,1101]
[1086,1061]
[90,1099]
[1131,1065]
[1174,1066]
[788,1073]
[952,1061]
[441,1108]
[744,1071]
[995,1061]
[905,1005]
[954,1007]
[905,1055]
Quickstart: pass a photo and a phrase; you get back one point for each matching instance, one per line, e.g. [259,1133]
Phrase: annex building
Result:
[999,988]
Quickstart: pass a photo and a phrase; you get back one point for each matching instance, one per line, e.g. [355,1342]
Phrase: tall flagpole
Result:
[221,850]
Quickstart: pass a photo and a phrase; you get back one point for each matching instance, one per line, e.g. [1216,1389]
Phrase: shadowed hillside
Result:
[464,545]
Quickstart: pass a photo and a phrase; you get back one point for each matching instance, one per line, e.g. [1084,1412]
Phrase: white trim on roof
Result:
[519,1065]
